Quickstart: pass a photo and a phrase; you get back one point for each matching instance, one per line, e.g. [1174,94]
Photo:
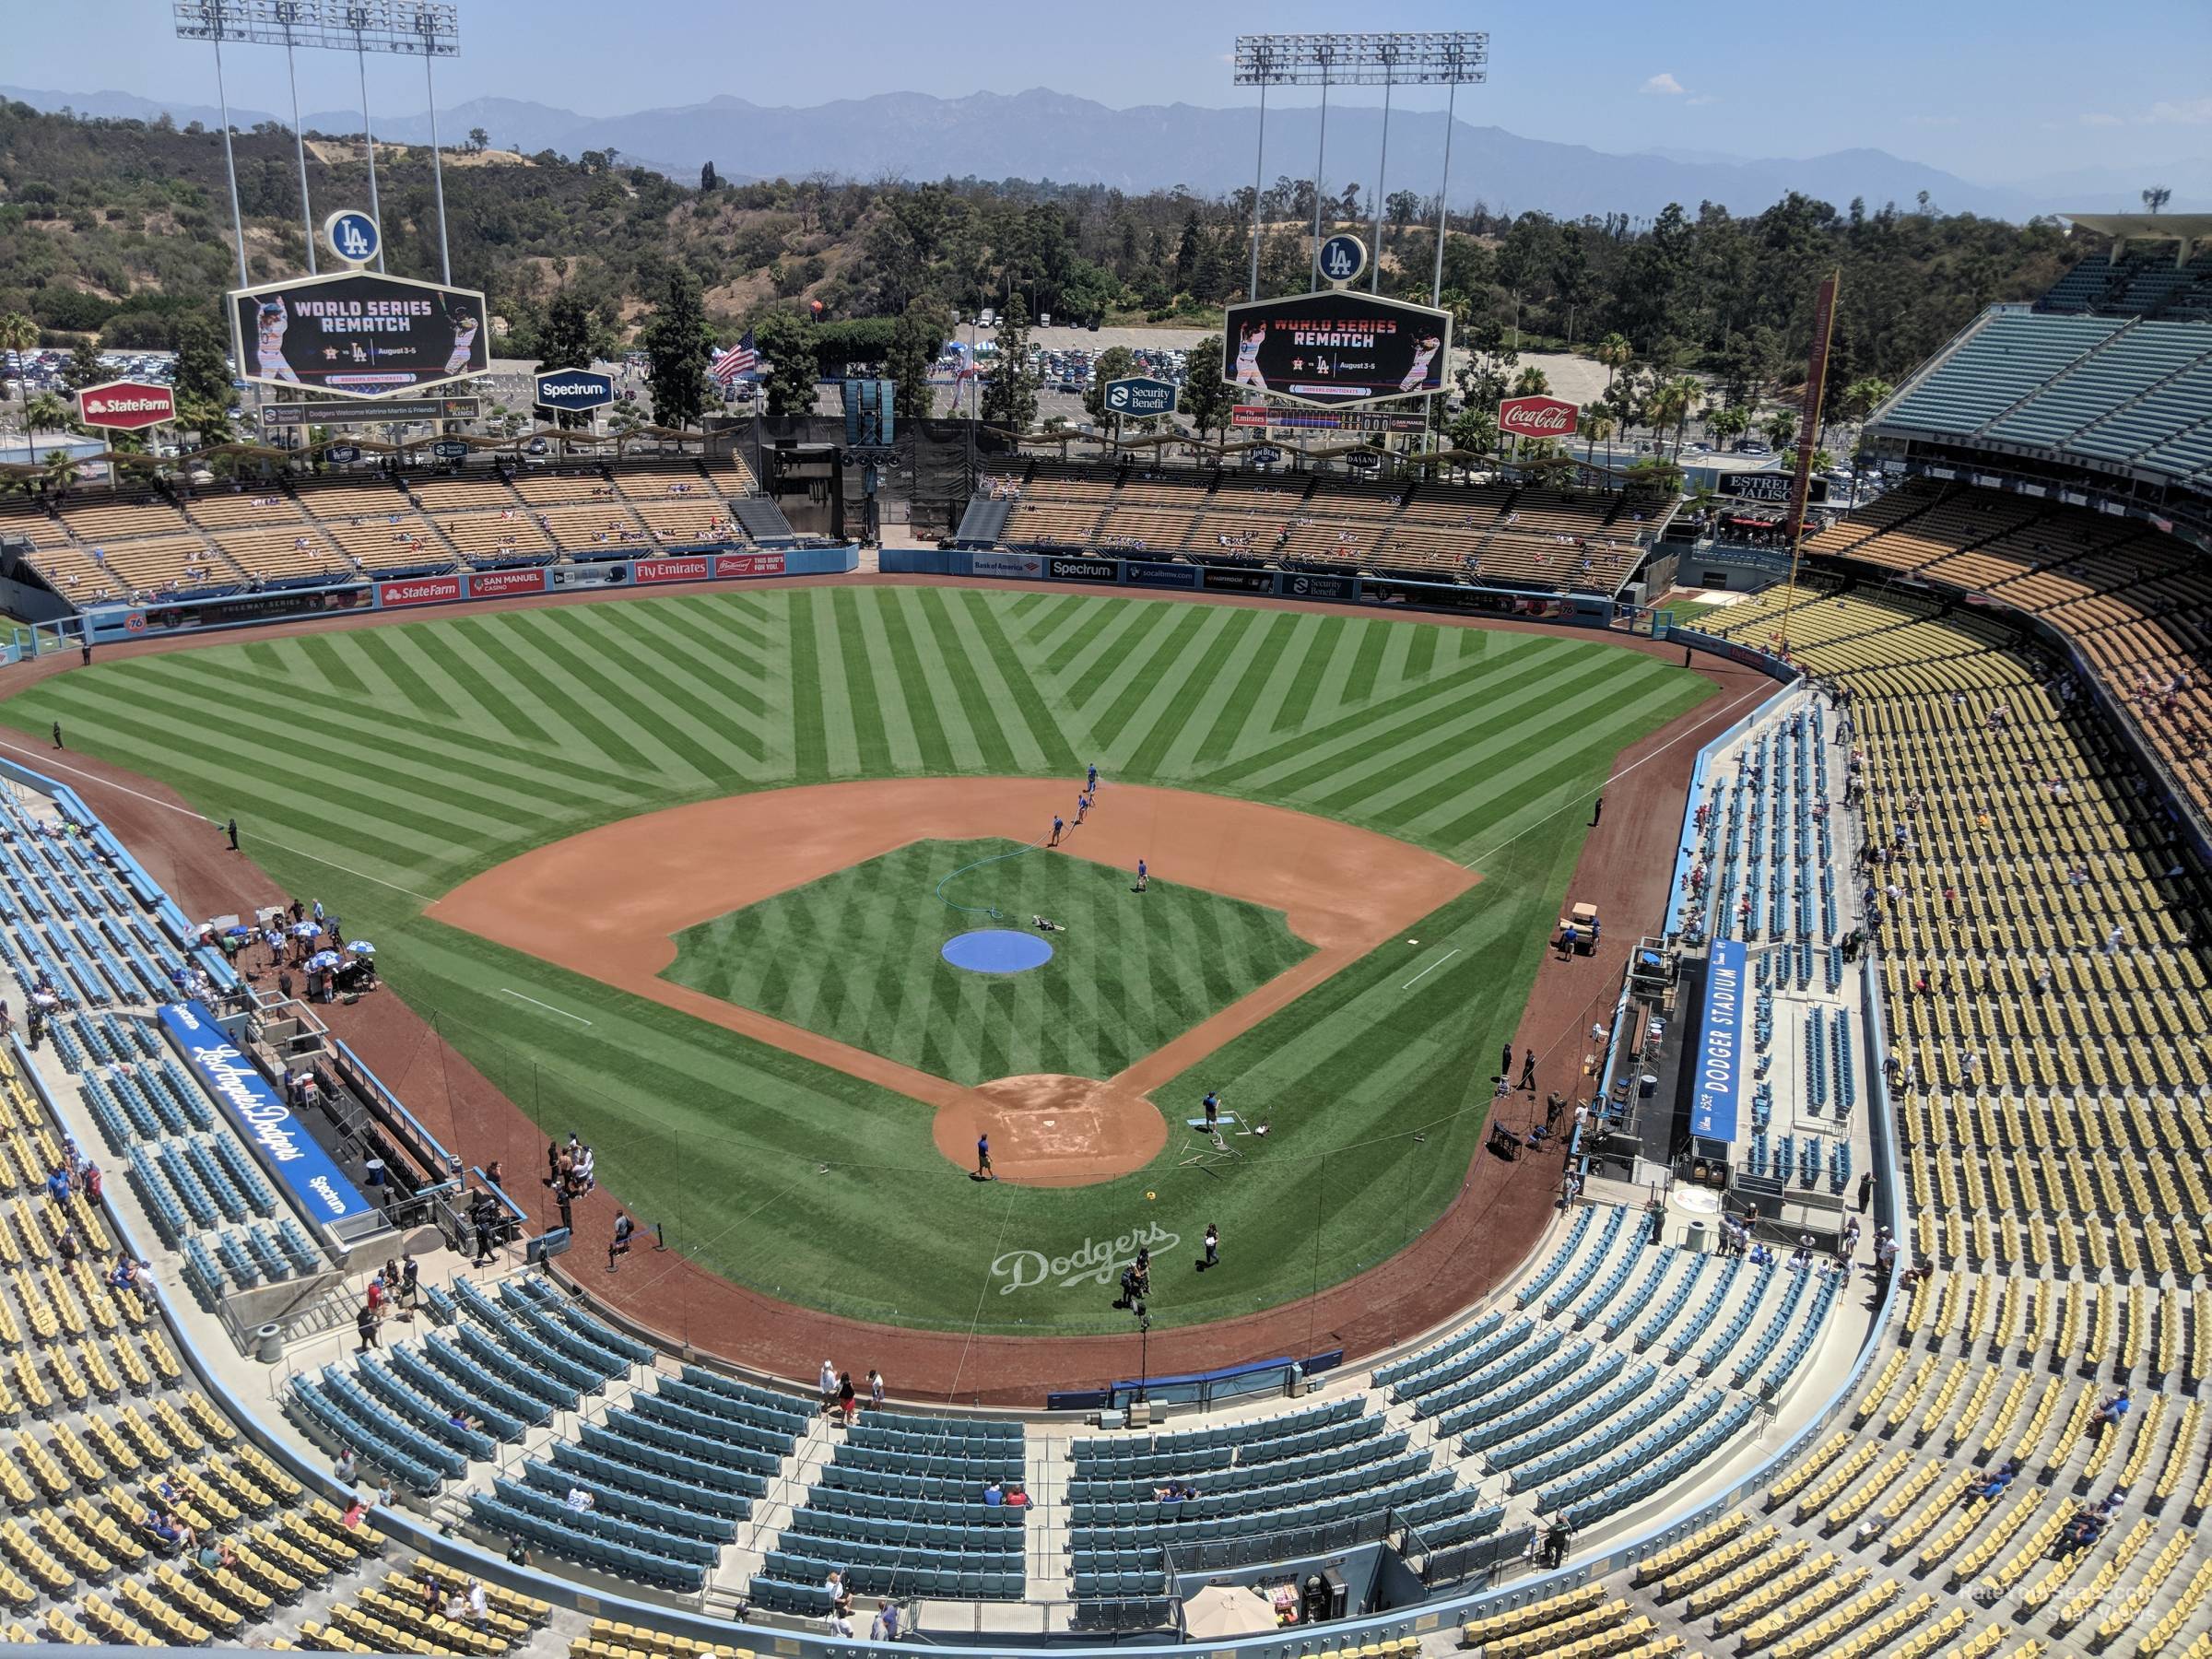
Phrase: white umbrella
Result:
[361,947]
[1223,1610]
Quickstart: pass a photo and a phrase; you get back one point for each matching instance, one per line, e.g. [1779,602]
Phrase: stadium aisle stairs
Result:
[810,1454]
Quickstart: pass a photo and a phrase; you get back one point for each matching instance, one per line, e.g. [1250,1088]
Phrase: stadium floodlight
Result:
[427,29]
[1449,58]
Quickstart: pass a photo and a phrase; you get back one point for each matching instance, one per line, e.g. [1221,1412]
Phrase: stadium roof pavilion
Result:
[2188,229]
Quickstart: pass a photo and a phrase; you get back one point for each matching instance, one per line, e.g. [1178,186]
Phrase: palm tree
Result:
[18,334]
[209,419]
[1615,352]
[1862,397]
[46,413]
[1597,426]
[1824,461]
[1780,428]
[60,471]
[1730,424]
[1532,381]
[1669,403]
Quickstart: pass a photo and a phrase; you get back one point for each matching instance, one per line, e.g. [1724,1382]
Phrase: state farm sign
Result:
[126,405]
[1536,418]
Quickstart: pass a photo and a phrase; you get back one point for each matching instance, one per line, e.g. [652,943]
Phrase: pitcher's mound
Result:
[1048,1130]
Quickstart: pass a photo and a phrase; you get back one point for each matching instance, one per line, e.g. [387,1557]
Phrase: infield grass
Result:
[854,955]
[375,767]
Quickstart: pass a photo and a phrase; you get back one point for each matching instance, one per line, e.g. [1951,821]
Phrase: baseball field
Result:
[381,769]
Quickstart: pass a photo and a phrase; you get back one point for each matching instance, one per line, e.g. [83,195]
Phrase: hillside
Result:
[115,224]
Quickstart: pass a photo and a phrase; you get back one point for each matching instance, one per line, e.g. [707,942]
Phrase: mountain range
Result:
[1043,135]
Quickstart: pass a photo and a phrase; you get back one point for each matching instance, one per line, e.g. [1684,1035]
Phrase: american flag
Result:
[735,360]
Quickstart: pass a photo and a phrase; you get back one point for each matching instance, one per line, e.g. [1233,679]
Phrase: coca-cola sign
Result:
[126,405]
[1536,418]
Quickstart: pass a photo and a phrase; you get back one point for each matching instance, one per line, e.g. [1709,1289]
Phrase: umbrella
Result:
[321,959]
[237,933]
[306,930]
[361,947]
[1219,1611]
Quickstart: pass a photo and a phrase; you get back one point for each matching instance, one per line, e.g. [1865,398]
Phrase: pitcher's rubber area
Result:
[608,903]
[1483,1238]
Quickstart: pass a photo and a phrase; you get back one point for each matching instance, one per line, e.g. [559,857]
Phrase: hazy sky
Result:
[1993,89]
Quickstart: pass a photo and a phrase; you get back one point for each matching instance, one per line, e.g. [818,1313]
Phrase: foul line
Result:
[139,794]
[1617,777]
[1431,969]
[548,1007]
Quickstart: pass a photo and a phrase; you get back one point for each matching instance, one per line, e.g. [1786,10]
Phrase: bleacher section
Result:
[1488,534]
[2136,603]
[2119,391]
[148,546]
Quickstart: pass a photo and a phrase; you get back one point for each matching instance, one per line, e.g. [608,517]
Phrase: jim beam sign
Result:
[1541,417]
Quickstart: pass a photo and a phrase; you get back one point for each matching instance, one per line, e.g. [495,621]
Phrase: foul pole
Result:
[1808,435]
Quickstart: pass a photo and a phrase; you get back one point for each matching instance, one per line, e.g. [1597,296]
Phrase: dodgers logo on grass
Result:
[1097,1262]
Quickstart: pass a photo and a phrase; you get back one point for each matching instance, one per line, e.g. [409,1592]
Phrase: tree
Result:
[19,334]
[1186,252]
[921,331]
[1113,363]
[1862,396]
[1010,397]
[678,346]
[1398,209]
[788,342]
[201,375]
[60,471]
[1729,424]
[1615,352]
[84,368]
[1597,427]
[564,341]
[1474,431]
[1206,399]
[47,413]
[1532,381]
[1781,426]
[2157,196]
[707,179]
[479,140]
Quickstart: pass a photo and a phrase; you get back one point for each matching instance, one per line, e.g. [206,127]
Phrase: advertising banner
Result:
[1321,587]
[1765,486]
[249,607]
[418,590]
[1229,581]
[573,390]
[1327,350]
[1719,1075]
[1147,574]
[590,575]
[257,1112]
[359,335]
[1080,570]
[1538,418]
[749,564]
[126,405]
[1139,394]
[674,570]
[498,585]
[1006,564]
[330,411]
[1324,420]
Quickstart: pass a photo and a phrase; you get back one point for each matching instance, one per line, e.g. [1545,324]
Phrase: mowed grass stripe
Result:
[1367,662]
[809,745]
[1004,689]
[446,748]
[331,662]
[955,657]
[658,704]
[1315,650]
[917,694]
[1111,640]
[734,713]
[1181,678]
[568,706]
[894,710]
[1055,753]
[464,648]
[841,710]
[1109,714]
[1252,661]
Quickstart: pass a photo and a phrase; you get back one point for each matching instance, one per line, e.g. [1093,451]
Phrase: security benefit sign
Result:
[1328,350]
[258,1113]
[1722,1054]
[359,335]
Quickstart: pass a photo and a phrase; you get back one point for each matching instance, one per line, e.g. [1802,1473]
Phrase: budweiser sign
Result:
[126,405]
[1536,418]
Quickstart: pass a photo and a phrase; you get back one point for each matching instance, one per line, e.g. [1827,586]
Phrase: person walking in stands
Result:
[875,1389]
[619,1244]
[984,1170]
[848,1398]
[1058,825]
[1866,1191]
[410,1287]
[827,1384]
[364,1327]
[1144,876]
[230,829]
[1528,1070]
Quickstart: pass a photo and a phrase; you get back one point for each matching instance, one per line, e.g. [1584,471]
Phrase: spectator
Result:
[345,1468]
[993,1495]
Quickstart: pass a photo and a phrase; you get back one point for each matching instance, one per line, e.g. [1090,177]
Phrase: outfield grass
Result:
[375,767]
[854,955]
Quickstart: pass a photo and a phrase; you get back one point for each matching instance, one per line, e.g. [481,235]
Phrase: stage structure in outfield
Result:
[1451,59]
[428,29]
